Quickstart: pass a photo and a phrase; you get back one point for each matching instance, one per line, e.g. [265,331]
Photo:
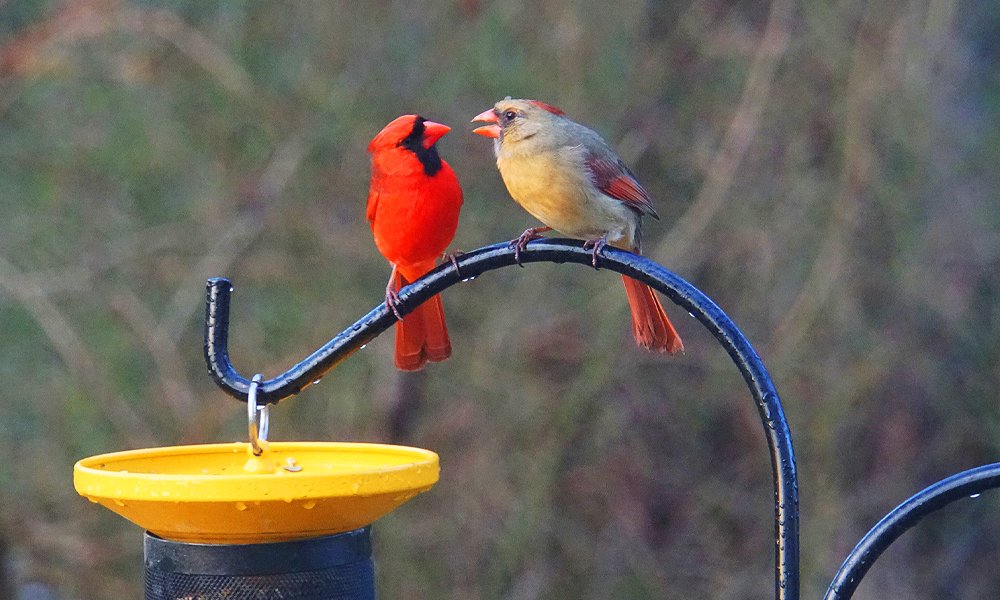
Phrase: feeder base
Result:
[335,567]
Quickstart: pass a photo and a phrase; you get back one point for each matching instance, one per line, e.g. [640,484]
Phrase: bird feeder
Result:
[258,519]
[292,520]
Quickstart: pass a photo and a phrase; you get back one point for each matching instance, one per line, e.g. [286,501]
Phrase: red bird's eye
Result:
[509,115]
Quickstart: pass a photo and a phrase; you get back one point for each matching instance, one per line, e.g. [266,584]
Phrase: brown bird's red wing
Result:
[614,179]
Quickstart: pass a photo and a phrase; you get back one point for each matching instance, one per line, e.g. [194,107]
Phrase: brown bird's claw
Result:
[519,243]
[596,246]
[391,300]
[452,257]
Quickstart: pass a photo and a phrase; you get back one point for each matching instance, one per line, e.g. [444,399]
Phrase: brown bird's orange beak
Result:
[487,116]
[433,132]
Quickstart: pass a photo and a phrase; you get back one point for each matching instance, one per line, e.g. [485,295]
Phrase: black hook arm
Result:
[485,259]
[902,518]
[473,264]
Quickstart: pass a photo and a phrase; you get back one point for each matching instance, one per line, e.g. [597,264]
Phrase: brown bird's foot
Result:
[596,246]
[519,243]
[391,300]
[452,257]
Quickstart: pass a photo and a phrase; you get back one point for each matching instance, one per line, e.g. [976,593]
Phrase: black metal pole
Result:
[475,263]
[902,518]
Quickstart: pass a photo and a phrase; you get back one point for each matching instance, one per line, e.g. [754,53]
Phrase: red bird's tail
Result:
[422,335]
[650,325]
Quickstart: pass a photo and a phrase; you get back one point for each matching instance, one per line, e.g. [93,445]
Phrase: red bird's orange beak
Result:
[433,132]
[490,131]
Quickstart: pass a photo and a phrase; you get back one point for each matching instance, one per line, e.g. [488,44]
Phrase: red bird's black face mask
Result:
[414,142]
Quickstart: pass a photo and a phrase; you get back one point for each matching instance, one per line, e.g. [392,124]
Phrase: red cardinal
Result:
[568,178]
[413,207]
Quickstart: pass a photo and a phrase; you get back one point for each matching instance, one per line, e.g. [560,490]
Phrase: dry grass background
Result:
[827,172]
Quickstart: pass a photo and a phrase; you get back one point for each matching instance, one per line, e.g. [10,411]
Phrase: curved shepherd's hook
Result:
[933,498]
[475,263]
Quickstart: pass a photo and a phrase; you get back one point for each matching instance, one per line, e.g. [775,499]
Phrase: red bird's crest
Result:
[393,133]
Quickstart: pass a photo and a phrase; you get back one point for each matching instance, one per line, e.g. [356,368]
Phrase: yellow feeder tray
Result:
[223,494]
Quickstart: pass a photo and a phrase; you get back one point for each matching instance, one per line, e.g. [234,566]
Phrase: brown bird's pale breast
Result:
[551,187]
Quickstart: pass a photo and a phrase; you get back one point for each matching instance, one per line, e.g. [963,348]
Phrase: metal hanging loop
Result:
[258,417]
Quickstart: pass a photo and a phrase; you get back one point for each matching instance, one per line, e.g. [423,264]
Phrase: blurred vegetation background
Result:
[827,172]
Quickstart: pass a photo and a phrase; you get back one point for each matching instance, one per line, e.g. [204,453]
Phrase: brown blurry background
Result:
[826,171]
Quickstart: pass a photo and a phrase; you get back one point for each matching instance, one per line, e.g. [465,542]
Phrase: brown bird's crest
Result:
[546,107]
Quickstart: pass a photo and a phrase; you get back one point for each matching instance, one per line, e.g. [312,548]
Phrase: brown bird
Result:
[568,178]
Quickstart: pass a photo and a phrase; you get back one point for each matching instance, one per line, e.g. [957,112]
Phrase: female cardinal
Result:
[568,178]
[413,207]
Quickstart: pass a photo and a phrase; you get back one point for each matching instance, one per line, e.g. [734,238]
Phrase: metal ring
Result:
[257,417]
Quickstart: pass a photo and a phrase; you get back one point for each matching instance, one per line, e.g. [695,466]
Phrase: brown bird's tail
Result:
[650,325]
[422,335]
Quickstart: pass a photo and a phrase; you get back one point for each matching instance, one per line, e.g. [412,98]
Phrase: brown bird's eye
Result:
[509,115]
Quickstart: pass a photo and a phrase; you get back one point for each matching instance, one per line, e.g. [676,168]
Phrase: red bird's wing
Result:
[413,216]
[372,203]
[373,191]
[614,179]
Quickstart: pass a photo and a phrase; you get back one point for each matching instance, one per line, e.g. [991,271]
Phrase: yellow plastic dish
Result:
[223,494]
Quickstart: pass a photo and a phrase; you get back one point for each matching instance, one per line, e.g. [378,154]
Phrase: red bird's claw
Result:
[391,300]
[596,247]
[452,257]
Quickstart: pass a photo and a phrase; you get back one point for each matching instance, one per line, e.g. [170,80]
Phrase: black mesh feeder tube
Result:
[335,567]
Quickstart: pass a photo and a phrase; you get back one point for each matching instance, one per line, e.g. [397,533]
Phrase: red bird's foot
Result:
[596,246]
[391,300]
[452,257]
[519,243]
